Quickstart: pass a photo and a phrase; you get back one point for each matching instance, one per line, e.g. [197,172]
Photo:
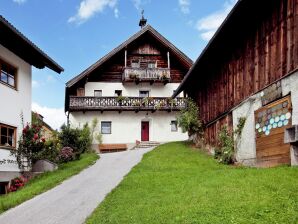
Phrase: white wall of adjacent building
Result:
[14,103]
[126,126]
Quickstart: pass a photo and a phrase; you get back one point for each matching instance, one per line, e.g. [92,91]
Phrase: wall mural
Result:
[275,115]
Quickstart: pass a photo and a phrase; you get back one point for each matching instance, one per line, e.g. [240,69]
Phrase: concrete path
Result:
[75,199]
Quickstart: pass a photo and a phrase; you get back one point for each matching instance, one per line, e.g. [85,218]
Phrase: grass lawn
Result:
[46,181]
[176,184]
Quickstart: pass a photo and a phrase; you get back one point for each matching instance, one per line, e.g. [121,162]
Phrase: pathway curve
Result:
[75,199]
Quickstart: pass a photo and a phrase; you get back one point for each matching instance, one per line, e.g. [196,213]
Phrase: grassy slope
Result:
[175,184]
[46,181]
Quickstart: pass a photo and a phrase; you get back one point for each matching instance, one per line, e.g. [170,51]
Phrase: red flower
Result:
[43,140]
[35,136]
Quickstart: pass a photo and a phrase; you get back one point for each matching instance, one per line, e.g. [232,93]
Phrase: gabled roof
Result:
[144,30]
[15,41]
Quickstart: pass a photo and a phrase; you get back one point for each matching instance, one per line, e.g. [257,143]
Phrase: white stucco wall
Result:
[131,89]
[246,147]
[14,102]
[126,126]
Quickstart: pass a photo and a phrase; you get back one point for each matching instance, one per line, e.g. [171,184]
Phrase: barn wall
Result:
[246,145]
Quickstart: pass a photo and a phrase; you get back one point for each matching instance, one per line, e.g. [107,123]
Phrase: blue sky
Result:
[76,33]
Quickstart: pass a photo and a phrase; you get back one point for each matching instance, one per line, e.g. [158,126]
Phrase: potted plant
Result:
[120,100]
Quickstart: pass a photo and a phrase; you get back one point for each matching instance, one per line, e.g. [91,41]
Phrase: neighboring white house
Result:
[17,55]
[129,91]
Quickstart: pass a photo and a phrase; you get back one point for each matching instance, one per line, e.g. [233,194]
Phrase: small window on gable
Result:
[152,64]
[135,64]
[80,92]
[8,74]
[98,93]
[106,127]
[174,127]
[118,92]
[144,93]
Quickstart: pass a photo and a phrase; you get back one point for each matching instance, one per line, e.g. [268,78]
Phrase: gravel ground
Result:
[75,199]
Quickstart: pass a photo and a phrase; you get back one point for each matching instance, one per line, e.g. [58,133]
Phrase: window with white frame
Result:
[98,93]
[8,74]
[106,127]
[135,63]
[174,126]
[144,93]
[152,64]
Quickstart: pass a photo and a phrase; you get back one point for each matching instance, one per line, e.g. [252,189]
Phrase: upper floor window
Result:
[7,136]
[135,63]
[8,74]
[152,64]
[80,92]
[144,93]
[118,92]
[98,93]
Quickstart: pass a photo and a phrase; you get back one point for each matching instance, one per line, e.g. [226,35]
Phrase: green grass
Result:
[176,184]
[46,181]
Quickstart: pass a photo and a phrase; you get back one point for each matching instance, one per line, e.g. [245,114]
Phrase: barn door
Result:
[271,122]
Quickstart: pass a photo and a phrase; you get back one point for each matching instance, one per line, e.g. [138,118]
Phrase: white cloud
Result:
[116,13]
[20,1]
[51,79]
[139,3]
[35,84]
[184,6]
[208,25]
[55,117]
[89,8]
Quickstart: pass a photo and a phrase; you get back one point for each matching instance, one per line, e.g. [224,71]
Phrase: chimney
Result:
[143,21]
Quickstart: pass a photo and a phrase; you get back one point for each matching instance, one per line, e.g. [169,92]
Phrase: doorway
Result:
[145,131]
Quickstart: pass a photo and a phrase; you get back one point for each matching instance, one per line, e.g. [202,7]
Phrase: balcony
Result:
[125,104]
[151,75]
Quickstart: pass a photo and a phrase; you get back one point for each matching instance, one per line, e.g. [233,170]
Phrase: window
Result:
[143,93]
[8,74]
[80,92]
[97,93]
[3,187]
[106,127]
[118,92]
[174,127]
[7,136]
[151,64]
[135,64]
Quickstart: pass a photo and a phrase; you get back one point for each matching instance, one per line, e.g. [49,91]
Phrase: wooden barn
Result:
[249,70]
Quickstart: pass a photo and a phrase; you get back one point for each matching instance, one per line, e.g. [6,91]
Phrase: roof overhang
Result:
[17,43]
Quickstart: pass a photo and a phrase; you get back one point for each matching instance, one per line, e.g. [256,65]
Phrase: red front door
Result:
[145,131]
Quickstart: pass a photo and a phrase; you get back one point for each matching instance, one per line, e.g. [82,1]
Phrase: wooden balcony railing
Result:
[147,74]
[126,103]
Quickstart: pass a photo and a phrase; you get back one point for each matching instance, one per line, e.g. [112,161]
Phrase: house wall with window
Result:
[15,100]
[125,127]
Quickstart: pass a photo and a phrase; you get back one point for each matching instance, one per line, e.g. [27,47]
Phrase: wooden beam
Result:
[168,54]
[125,59]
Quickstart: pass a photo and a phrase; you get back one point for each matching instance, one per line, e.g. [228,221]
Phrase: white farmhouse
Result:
[129,91]
[17,55]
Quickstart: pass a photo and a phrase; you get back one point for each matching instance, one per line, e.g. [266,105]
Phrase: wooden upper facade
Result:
[145,57]
[256,46]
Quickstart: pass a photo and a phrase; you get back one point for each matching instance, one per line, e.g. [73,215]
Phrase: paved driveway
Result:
[75,199]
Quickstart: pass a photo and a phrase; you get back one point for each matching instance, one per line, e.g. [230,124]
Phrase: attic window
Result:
[8,74]
[152,64]
[135,63]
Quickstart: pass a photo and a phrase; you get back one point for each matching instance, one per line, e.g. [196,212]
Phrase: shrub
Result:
[70,137]
[66,154]
[30,145]
[189,120]
[225,152]
[17,183]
